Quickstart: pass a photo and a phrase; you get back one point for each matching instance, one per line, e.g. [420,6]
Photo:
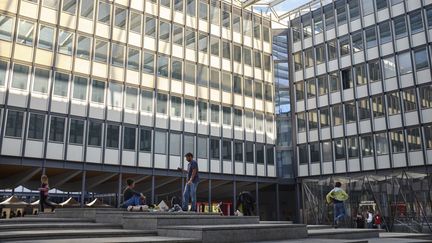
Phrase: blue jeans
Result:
[190,193]
[339,211]
[133,201]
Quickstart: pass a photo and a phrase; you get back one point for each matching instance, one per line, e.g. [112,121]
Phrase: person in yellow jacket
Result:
[337,196]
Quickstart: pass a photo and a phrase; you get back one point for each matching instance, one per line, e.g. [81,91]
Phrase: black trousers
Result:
[43,200]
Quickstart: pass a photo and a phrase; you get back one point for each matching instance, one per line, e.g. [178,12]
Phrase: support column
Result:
[277,203]
[210,196]
[257,198]
[153,190]
[234,196]
[119,190]
[83,191]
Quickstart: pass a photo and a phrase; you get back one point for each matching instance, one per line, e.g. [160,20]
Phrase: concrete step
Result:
[318,226]
[71,233]
[423,236]
[342,233]
[237,232]
[35,220]
[143,239]
[57,225]
[153,222]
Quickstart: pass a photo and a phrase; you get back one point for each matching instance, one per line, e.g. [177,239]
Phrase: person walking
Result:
[337,196]
[132,197]
[378,220]
[191,184]
[43,194]
[369,219]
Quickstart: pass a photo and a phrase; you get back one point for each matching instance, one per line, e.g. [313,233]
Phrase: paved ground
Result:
[374,240]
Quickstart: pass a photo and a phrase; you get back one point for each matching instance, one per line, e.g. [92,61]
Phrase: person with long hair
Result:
[43,194]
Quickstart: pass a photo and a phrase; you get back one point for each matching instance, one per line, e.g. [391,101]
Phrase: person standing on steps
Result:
[191,184]
[337,196]
[43,194]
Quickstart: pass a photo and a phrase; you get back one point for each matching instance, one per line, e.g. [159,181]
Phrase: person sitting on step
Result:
[132,197]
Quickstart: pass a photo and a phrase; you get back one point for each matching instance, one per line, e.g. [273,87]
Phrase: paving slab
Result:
[344,233]
[57,225]
[406,235]
[42,220]
[370,240]
[145,239]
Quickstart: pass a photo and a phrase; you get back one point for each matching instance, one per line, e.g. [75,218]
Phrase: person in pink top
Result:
[43,194]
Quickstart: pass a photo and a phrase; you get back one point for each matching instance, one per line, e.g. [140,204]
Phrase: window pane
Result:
[162,102]
[175,144]
[378,106]
[61,84]
[226,82]
[405,63]
[118,55]
[36,126]
[115,95]
[215,113]
[400,26]
[101,52]
[428,136]
[87,8]
[50,3]
[146,101]
[337,115]
[226,150]
[202,111]
[226,50]
[314,152]
[162,69]
[374,71]
[409,100]
[238,118]
[14,123]
[237,84]
[421,59]
[65,42]
[6,28]
[426,96]
[112,136]
[416,22]
[148,62]
[190,39]
[397,141]
[189,144]
[177,35]
[25,32]
[368,7]
[249,149]
[381,144]
[393,103]
[357,42]
[189,109]
[191,7]
[203,8]
[69,6]
[259,148]
[176,103]
[367,145]
[371,39]
[76,131]
[189,72]
[104,13]
[133,59]
[238,151]
[80,88]
[41,79]
[414,139]
[214,149]
[145,140]
[135,22]
[164,31]
[57,128]
[364,109]
[214,79]
[131,98]
[226,116]
[339,147]
[202,75]
[160,142]
[83,47]
[258,90]
[389,66]
[95,133]
[20,77]
[176,69]
[385,32]
[360,74]
[129,138]
[46,35]
[150,27]
[249,120]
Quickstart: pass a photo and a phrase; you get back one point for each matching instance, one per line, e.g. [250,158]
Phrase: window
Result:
[313,119]
[50,3]
[249,120]
[332,49]
[146,101]
[226,116]
[428,14]
[202,111]
[337,114]
[3,70]
[203,10]
[360,74]
[69,6]
[41,79]
[118,55]
[238,117]
[162,69]
[178,5]
[347,82]
[79,88]
[400,26]
[177,35]
[115,95]
[14,123]
[421,59]
[267,62]
[318,21]
[329,16]
[414,139]
[214,116]
[301,122]
[257,59]
[236,25]
[131,98]
[374,71]
[311,88]
[36,126]
[135,22]
[166,3]
[237,53]
[104,13]
[95,133]
[164,31]
[61,84]
[238,151]
[368,7]
[259,149]
[176,69]
[237,84]
[83,47]
[409,100]
[65,41]
[46,35]
[176,103]
[320,54]
[20,76]
[57,128]
[162,102]
[226,82]
[191,7]
[381,143]
[364,109]
[189,144]
[76,131]
[98,91]
[6,28]
[324,117]
[381,4]
[189,109]
[378,106]
[426,96]
[226,150]
[309,58]
[393,103]
[120,17]
[214,78]
[307,26]
[189,72]
[112,136]
[214,148]
[129,138]
[389,66]
[226,16]
[385,32]
[303,154]
[357,42]
[150,27]
[367,145]
[148,62]
[202,148]
[371,40]
[214,46]
[268,92]
[314,152]
[428,136]
[344,45]
[334,82]
[341,12]
[300,90]
[350,112]
[397,141]
[327,151]
[258,90]
[405,63]
[215,13]
[352,144]
[226,50]
[354,9]
[416,22]
[25,32]
[259,122]
[145,140]
[87,7]
[190,39]
[339,147]
[202,75]
[175,144]
[101,51]
[249,151]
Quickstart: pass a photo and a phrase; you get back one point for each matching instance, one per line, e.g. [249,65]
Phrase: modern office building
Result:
[94,92]
[360,75]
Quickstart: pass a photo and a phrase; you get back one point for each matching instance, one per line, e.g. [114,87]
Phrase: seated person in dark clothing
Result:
[132,197]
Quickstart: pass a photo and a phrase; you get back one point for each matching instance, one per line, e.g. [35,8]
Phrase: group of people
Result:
[369,219]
